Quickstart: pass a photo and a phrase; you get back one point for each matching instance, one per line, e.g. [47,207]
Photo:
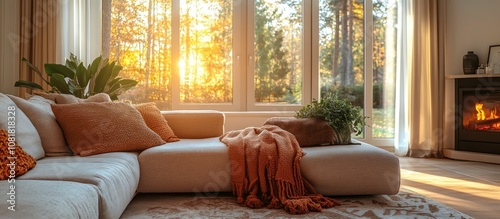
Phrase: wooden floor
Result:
[470,187]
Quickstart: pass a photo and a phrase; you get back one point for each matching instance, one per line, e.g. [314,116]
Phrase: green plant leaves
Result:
[58,81]
[28,84]
[337,111]
[82,75]
[102,78]
[51,69]
[76,79]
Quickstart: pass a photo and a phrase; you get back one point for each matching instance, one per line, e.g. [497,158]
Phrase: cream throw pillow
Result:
[94,128]
[40,113]
[68,98]
[26,134]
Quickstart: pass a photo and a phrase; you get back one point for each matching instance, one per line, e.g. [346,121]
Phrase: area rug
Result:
[405,204]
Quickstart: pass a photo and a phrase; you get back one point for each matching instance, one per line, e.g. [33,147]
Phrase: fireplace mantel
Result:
[471,76]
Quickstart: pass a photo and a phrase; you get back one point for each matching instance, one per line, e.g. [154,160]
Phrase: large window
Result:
[354,36]
[238,55]
[278,51]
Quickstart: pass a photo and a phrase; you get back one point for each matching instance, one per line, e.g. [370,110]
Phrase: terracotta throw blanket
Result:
[265,171]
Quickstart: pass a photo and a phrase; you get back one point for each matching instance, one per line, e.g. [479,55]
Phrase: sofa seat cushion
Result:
[114,175]
[202,166]
[50,199]
[189,165]
[357,169]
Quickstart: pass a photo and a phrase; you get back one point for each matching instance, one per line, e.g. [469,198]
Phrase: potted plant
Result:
[79,80]
[339,113]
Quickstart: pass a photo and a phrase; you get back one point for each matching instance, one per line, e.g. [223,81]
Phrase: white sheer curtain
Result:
[420,82]
[79,26]
[404,60]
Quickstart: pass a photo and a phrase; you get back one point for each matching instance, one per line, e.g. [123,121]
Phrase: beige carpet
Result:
[406,204]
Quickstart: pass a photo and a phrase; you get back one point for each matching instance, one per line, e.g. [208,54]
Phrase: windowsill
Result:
[259,113]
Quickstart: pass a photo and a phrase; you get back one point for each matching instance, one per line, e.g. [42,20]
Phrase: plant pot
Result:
[342,136]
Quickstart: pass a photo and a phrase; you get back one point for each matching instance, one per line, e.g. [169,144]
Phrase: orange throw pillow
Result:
[156,122]
[15,161]
[95,128]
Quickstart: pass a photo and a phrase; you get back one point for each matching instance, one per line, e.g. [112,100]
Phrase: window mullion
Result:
[175,54]
[308,44]
[368,80]
[249,57]
[315,74]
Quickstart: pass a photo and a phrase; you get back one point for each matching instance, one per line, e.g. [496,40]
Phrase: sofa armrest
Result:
[195,123]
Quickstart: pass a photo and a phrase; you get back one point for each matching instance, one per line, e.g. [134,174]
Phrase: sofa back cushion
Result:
[307,131]
[94,128]
[195,124]
[13,118]
[40,114]
[68,98]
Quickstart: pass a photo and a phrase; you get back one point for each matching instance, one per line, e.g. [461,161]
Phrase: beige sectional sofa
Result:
[102,185]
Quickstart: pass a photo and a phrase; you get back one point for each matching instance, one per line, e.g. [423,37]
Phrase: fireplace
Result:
[478,115]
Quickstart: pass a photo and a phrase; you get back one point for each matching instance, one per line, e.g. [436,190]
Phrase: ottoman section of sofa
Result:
[115,177]
[189,165]
[50,199]
[357,169]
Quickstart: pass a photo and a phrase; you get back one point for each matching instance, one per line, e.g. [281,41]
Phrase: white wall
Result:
[9,49]
[470,26]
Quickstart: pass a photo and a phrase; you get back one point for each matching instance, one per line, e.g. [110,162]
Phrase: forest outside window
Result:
[272,55]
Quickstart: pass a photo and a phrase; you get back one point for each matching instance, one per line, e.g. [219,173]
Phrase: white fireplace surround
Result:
[468,28]
[449,139]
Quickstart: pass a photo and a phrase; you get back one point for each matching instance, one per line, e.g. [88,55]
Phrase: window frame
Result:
[243,67]
[238,34]
[307,55]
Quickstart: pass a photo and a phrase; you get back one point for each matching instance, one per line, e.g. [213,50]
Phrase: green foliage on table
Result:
[79,80]
[341,115]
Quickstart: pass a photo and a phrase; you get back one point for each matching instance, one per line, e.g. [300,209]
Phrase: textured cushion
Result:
[156,122]
[94,128]
[40,114]
[202,166]
[189,165]
[307,131]
[195,123]
[14,161]
[26,134]
[68,98]
[115,177]
[50,199]
[357,169]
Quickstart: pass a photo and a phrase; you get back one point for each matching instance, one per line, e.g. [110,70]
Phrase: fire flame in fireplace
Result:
[480,111]
[486,118]
[481,114]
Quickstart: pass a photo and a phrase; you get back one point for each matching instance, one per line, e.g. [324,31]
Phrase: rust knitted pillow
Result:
[95,128]
[156,122]
[15,161]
